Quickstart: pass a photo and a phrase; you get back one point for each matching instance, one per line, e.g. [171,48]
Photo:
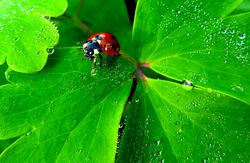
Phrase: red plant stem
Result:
[132,60]
[82,26]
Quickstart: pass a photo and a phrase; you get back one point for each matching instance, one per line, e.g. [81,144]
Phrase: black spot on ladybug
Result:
[98,37]
[114,47]
[113,37]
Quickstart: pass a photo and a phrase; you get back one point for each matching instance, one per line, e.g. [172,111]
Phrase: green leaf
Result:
[244,7]
[143,139]
[54,110]
[101,126]
[196,41]
[70,111]
[2,77]
[27,34]
[185,125]
[101,15]
[5,143]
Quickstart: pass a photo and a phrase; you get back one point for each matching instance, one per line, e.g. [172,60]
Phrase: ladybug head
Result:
[91,48]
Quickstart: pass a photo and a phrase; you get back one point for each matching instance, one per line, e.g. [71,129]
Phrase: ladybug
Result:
[101,42]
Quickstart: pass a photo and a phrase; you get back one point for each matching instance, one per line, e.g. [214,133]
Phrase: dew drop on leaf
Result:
[79,151]
[205,160]
[237,88]
[158,153]
[242,36]
[137,99]
[28,133]
[241,43]
[50,51]
[177,123]
[187,83]
[162,161]
[157,142]
[121,125]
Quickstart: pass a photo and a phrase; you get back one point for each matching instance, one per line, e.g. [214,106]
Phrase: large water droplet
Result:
[187,83]
[242,36]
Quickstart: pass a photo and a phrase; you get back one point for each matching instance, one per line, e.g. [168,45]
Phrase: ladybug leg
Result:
[101,60]
[94,57]
[94,60]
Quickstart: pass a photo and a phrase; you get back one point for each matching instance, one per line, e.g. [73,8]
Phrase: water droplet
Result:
[121,125]
[177,123]
[187,83]
[241,43]
[28,133]
[205,160]
[137,99]
[211,146]
[162,161]
[237,88]
[157,142]
[159,153]
[50,51]
[242,36]
[79,151]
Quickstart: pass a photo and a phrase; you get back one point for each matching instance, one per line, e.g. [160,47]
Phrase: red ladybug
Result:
[101,42]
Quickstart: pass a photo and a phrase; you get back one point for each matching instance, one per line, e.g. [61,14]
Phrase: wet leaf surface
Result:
[196,41]
[63,109]
[26,33]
